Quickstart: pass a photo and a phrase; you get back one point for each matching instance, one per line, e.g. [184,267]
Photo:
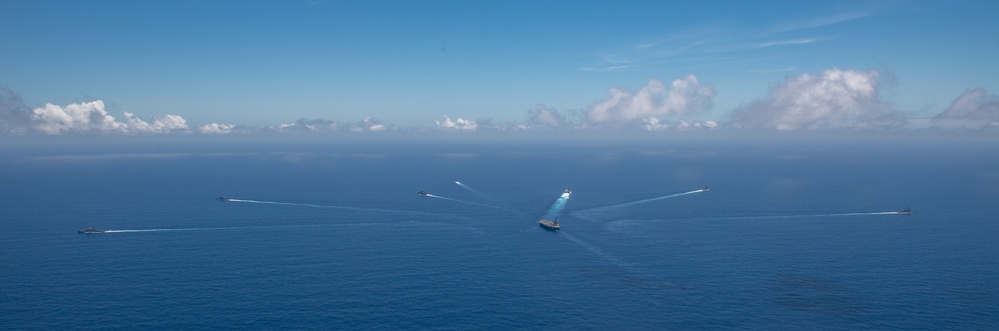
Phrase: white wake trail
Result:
[486,197]
[281,203]
[320,206]
[626,204]
[595,250]
[556,209]
[462,201]
[177,229]
[790,216]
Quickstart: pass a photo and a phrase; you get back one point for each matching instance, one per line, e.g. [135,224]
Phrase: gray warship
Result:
[549,224]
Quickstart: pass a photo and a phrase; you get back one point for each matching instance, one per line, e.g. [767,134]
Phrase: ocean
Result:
[327,232]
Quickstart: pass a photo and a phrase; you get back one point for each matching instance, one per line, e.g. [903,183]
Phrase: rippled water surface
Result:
[791,237]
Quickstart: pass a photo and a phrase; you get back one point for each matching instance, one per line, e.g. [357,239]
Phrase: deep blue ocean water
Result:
[330,234]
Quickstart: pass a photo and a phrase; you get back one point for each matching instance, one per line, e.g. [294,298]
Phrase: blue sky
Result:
[216,66]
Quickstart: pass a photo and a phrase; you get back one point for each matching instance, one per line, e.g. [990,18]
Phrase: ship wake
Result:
[315,206]
[462,201]
[632,203]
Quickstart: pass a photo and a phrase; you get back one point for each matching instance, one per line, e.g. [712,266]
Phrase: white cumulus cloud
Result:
[77,117]
[216,128]
[683,96]
[91,117]
[159,125]
[456,125]
[833,99]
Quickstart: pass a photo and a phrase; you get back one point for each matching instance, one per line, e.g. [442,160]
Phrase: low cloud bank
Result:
[15,117]
[974,109]
[974,104]
[833,99]
[542,115]
[655,124]
[369,124]
[310,125]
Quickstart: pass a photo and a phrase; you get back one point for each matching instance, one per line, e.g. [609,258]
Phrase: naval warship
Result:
[550,225]
[91,230]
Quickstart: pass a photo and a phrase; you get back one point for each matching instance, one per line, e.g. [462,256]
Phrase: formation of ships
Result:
[551,224]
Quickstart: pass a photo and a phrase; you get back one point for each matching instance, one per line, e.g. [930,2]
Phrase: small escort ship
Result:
[91,230]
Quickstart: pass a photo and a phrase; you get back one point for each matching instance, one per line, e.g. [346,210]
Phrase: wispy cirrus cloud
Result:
[787,42]
[643,55]
[770,71]
[608,68]
[720,44]
[817,22]
[723,48]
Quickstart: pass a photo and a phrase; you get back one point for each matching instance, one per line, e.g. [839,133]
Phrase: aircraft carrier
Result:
[550,224]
